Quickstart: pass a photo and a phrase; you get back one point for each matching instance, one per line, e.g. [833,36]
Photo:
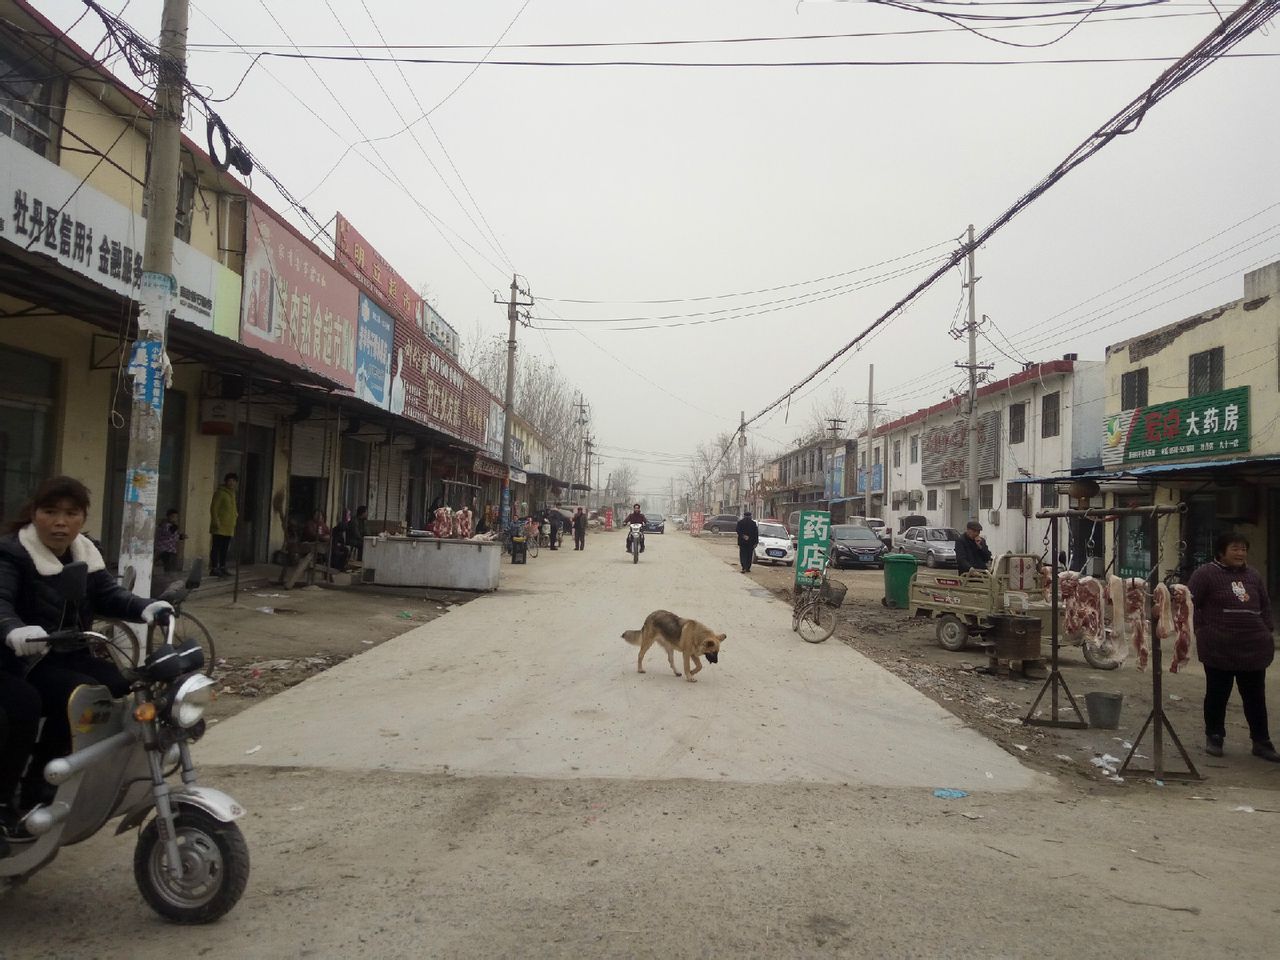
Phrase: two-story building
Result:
[1193,416]
[1038,422]
[814,475]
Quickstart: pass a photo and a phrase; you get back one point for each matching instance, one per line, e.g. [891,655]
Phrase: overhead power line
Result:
[681,42]
[1227,34]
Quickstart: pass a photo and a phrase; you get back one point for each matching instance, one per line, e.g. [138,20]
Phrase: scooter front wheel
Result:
[215,868]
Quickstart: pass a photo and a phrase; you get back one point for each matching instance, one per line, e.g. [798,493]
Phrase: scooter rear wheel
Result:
[215,860]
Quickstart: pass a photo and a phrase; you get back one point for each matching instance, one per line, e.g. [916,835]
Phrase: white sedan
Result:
[775,545]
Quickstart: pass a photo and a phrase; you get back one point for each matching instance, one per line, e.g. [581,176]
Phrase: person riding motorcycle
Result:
[635,517]
[43,539]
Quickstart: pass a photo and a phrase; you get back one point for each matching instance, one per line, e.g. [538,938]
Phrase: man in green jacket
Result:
[222,524]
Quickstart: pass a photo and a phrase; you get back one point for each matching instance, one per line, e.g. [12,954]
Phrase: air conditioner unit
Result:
[899,498]
[915,497]
[995,518]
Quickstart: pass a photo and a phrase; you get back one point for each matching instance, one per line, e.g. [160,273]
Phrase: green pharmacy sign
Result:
[1211,425]
[814,539]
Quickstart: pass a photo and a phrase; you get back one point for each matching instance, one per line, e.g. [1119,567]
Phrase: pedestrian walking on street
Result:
[972,552]
[223,514]
[748,537]
[1233,640]
[579,530]
[553,520]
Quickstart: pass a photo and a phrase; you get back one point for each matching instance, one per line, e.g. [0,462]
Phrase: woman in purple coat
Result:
[1233,640]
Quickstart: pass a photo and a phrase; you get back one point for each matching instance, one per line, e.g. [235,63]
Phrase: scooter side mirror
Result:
[74,580]
[197,571]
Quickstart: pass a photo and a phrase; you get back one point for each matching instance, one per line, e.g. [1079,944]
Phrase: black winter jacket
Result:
[30,593]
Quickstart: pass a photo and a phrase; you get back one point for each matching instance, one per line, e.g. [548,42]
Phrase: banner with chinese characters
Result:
[877,478]
[1209,425]
[945,455]
[814,540]
[374,339]
[49,212]
[355,254]
[296,306]
[429,387]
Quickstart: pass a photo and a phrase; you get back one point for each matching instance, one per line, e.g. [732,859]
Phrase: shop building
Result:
[1192,412]
[1038,422]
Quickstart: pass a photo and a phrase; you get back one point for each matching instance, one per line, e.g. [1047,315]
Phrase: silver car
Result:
[936,546]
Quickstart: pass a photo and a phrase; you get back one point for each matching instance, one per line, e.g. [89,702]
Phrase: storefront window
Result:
[27,389]
[1134,541]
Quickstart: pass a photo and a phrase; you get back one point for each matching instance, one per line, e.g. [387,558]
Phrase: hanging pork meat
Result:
[1184,611]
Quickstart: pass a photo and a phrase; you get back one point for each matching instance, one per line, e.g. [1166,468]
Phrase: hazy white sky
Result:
[631,183]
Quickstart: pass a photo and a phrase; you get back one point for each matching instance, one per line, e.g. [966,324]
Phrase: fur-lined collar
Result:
[48,564]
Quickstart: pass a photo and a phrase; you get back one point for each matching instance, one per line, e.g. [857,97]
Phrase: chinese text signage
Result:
[297,307]
[47,211]
[945,456]
[374,340]
[814,539]
[1209,425]
[357,256]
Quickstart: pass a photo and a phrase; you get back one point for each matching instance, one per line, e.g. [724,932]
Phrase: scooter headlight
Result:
[190,700]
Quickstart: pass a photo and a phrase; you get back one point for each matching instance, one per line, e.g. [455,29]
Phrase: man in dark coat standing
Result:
[580,530]
[748,537]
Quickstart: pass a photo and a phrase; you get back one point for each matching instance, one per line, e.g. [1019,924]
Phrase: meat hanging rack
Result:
[1157,721]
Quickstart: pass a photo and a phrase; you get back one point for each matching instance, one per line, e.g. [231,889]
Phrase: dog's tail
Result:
[632,637]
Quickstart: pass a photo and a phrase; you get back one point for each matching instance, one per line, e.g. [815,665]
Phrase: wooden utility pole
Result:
[147,363]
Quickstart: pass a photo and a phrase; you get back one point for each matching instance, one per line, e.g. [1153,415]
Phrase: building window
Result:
[1049,496]
[1204,373]
[186,203]
[1049,405]
[932,500]
[26,100]
[1018,423]
[1133,389]
[1013,495]
[28,390]
[862,459]
[915,449]
[986,496]
[876,456]
[897,453]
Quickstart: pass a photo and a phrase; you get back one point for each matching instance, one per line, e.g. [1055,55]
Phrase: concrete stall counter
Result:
[431,562]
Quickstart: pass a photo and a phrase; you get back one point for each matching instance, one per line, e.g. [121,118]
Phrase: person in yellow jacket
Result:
[222,524]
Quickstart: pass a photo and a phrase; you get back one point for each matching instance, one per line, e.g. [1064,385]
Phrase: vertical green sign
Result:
[814,538]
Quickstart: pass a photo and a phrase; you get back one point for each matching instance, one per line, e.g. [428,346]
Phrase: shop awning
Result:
[579,486]
[1190,470]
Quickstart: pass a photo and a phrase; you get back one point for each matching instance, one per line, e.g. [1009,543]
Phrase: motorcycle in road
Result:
[635,542]
[190,862]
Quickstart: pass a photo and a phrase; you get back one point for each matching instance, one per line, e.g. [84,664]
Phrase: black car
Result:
[655,523]
[724,523]
[856,545]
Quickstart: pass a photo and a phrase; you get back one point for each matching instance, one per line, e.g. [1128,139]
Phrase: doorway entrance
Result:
[252,456]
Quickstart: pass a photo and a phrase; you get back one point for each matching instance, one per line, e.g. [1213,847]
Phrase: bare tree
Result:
[623,482]
[835,404]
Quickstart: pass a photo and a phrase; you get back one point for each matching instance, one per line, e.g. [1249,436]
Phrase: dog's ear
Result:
[721,638]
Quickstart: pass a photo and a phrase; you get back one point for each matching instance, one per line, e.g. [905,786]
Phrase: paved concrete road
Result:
[620,837]
[536,681]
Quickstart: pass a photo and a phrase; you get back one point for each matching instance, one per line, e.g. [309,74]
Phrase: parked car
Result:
[721,523]
[655,523]
[936,546]
[856,545]
[775,544]
[879,526]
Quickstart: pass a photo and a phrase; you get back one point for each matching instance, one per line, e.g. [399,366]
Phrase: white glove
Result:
[157,609]
[27,641]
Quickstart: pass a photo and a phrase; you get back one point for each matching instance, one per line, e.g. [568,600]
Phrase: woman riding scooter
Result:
[45,537]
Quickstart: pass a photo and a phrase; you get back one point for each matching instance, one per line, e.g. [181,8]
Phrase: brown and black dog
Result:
[673,633]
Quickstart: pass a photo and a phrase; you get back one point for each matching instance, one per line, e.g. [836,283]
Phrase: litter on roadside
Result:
[253,750]
[947,793]
[266,609]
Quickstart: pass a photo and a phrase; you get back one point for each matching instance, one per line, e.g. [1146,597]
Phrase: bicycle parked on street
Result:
[813,614]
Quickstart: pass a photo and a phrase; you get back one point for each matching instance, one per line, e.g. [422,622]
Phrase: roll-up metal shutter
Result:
[308,448]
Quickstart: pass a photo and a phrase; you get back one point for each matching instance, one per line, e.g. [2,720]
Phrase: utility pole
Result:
[588,463]
[147,362]
[971,328]
[508,405]
[742,460]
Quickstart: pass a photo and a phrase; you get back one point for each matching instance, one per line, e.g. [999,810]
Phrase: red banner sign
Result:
[296,306]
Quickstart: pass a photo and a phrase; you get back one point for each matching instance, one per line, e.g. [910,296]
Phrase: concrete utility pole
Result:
[147,362]
[742,460]
[972,482]
[871,432]
[508,406]
[589,445]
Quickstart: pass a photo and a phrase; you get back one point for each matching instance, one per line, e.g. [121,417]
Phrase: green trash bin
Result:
[899,568]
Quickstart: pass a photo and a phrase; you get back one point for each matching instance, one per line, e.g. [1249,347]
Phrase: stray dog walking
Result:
[672,633]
